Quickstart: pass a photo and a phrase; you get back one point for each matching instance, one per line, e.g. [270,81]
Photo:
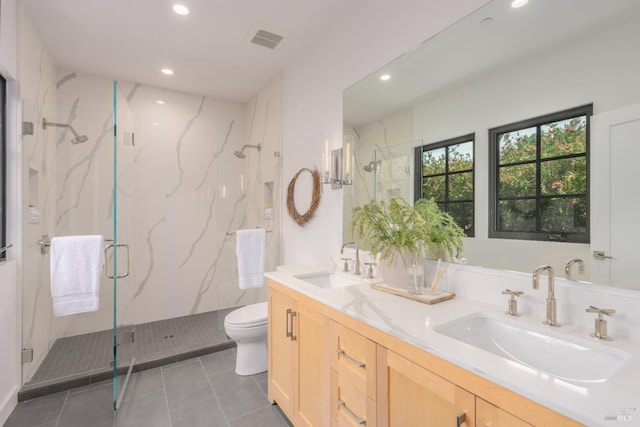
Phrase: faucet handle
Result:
[600,323]
[370,271]
[345,268]
[601,311]
[513,303]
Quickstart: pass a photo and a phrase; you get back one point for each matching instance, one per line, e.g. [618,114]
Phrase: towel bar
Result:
[233,232]
[45,243]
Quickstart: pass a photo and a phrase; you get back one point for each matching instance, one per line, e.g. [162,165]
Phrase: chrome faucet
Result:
[567,267]
[551,300]
[355,245]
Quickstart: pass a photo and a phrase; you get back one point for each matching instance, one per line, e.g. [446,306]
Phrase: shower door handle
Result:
[106,260]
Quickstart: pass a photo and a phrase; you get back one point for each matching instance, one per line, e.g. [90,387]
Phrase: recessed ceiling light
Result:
[180,9]
[385,77]
[160,101]
[167,71]
[518,3]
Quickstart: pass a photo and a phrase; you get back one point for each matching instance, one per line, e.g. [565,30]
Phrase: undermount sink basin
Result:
[331,279]
[569,358]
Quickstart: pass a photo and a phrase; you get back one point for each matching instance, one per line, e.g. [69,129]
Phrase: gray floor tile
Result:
[186,384]
[206,413]
[219,361]
[263,417]
[262,380]
[238,395]
[38,411]
[147,411]
[89,406]
[142,383]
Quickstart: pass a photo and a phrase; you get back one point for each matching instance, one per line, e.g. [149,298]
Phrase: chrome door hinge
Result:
[27,355]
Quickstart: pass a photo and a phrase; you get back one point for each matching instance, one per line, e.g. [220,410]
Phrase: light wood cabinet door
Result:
[411,396]
[312,368]
[281,351]
[488,415]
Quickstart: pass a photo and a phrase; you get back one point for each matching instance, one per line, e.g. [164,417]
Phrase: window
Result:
[3,171]
[444,172]
[539,185]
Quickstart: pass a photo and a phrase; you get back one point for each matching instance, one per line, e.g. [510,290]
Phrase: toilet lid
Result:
[249,315]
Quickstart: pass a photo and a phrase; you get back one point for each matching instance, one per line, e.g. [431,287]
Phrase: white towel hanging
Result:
[76,267]
[250,251]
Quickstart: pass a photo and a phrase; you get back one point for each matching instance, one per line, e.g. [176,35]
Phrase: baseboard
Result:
[8,405]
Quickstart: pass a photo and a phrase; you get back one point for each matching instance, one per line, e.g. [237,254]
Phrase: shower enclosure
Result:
[78,185]
[171,188]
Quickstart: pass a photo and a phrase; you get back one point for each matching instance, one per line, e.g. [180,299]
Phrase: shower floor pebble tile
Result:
[199,392]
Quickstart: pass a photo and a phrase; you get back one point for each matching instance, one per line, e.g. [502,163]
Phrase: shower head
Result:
[77,139]
[372,166]
[240,154]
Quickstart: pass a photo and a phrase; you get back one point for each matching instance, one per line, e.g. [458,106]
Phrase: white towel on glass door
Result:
[76,268]
[250,248]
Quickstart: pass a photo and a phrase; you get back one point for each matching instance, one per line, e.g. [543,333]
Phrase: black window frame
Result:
[494,133]
[418,176]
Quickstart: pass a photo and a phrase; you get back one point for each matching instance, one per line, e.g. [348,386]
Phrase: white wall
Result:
[369,35]
[9,295]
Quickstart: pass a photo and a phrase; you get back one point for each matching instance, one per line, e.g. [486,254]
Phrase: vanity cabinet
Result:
[299,370]
[409,395]
[328,368]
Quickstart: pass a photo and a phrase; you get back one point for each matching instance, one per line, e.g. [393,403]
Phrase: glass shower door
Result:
[118,252]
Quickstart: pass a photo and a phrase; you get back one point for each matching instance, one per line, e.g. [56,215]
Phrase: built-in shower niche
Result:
[268,200]
[33,210]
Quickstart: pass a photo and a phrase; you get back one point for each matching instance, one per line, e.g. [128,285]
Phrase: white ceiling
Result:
[208,50]
[471,48]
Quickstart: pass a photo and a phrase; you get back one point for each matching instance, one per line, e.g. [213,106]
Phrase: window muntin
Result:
[445,172]
[540,183]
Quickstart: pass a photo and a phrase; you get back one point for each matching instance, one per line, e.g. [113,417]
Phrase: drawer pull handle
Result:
[293,337]
[460,419]
[357,419]
[354,362]
[288,331]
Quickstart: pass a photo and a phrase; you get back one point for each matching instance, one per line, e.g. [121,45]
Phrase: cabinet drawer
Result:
[350,407]
[488,415]
[354,358]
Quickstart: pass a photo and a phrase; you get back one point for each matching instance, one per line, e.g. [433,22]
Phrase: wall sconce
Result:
[337,165]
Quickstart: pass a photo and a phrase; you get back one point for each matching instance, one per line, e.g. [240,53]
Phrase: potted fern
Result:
[403,235]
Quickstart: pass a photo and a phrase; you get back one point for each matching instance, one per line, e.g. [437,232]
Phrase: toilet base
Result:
[251,357]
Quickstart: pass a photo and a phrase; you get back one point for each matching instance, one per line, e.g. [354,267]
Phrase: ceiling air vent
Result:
[267,39]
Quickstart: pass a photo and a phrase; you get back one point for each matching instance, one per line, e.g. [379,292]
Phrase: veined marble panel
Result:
[388,142]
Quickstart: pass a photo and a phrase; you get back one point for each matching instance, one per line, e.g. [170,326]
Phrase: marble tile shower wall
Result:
[38,194]
[389,141]
[181,195]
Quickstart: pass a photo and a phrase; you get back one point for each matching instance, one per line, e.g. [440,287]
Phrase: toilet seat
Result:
[249,316]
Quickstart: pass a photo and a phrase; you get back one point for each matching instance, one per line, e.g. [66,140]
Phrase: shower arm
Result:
[45,123]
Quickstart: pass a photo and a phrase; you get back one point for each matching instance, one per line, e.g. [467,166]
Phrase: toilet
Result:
[247,326]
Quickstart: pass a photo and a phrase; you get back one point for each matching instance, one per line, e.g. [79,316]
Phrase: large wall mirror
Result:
[499,66]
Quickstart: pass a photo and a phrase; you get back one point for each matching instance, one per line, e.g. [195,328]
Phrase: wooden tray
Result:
[426,298]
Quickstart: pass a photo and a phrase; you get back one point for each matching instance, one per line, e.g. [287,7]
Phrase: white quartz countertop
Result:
[591,403]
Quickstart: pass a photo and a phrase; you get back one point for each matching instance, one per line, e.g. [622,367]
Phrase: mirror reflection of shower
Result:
[240,154]
[372,166]
[77,139]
